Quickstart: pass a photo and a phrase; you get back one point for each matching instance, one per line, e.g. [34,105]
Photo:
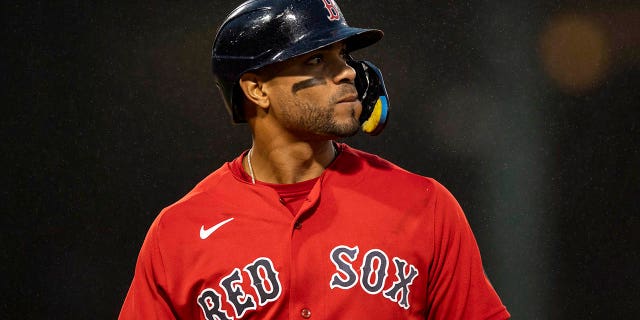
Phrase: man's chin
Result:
[347,130]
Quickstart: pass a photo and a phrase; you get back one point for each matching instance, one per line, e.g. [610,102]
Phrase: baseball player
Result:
[300,226]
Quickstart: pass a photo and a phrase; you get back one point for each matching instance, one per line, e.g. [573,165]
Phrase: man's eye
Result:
[315,60]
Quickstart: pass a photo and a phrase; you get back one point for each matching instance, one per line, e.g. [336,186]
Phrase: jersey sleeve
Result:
[147,298]
[458,287]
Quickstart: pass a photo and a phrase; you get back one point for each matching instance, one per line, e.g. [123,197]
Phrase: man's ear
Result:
[251,85]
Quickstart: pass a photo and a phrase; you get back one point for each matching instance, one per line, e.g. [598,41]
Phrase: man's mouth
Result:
[349,98]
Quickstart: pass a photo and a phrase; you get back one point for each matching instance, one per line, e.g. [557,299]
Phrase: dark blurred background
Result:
[528,112]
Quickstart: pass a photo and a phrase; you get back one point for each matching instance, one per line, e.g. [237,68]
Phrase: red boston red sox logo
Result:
[334,13]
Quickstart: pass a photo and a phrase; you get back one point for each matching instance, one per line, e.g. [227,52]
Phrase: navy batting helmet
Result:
[262,32]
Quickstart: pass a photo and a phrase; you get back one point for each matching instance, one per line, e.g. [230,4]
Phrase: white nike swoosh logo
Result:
[205,233]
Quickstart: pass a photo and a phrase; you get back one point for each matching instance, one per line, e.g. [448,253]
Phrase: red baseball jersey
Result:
[371,241]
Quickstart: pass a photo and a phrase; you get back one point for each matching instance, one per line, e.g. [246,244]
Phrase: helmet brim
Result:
[354,38]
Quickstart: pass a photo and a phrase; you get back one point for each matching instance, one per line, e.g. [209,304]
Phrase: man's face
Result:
[314,95]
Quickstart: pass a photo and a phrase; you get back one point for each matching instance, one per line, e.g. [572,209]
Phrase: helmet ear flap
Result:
[233,100]
[237,105]
[373,95]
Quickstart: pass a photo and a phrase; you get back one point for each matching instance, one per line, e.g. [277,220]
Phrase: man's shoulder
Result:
[380,165]
[202,196]
[376,168]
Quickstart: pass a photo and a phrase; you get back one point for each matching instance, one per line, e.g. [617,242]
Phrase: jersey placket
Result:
[305,302]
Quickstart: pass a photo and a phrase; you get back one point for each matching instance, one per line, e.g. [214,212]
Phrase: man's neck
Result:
[291,162]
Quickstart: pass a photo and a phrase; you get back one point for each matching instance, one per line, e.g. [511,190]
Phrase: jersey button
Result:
[282,201]
[297,225]
[305,313]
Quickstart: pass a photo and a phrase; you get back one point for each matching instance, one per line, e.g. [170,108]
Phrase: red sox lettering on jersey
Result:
[267,286]
[334,13]
[264,280]
[373,273]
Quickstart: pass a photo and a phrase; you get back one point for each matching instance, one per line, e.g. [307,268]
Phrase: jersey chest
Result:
[333,260]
